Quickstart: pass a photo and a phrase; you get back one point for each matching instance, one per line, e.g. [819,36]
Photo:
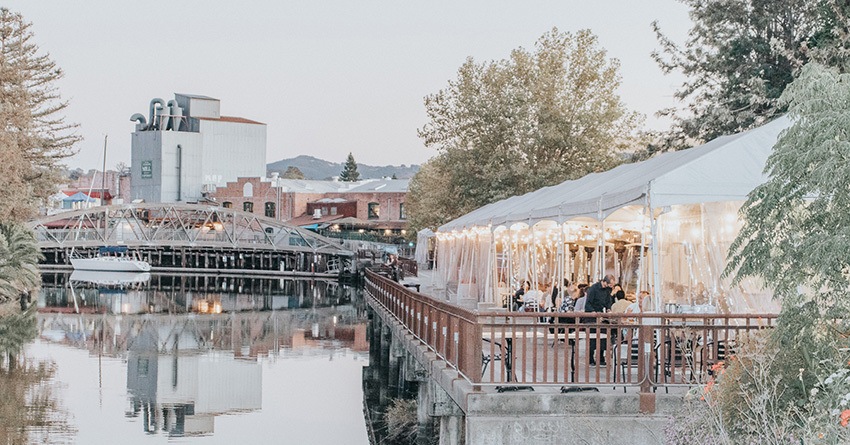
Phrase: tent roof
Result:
[724,169]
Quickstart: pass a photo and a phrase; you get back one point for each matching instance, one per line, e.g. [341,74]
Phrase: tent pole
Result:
[641,280]
[656,275]
[561,258]
[600,244]
[534,270]
[489,287]
[510,258]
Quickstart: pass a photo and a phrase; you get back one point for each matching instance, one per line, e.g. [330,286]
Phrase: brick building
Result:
[297,201]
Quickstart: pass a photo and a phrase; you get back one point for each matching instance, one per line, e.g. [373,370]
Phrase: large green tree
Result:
[507,127]
[349,170]
[795,238]
[34,137]
[739,57]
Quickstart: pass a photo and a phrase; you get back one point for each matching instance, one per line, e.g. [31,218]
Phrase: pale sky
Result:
[327,77]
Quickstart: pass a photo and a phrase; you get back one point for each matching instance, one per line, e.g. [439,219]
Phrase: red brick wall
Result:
[343,209]
[293,204]
[389,203]
[233,193]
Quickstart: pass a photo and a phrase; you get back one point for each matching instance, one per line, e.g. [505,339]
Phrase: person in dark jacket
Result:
[599,295]
[599,300]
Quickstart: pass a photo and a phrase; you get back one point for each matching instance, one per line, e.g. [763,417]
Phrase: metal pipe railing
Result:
[569,349]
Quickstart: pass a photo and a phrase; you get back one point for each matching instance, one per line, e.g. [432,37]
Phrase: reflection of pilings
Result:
[384,364]
[394,377]
[374,328]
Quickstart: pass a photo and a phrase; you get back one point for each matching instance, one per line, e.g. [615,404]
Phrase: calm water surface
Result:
[191,359]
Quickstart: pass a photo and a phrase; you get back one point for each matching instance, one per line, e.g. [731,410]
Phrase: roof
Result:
[307,219]
[234,119]
[196,96]
[382,186]
[310,186]
[79,196]
[724,169]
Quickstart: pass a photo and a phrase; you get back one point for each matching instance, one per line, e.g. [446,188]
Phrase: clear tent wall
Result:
[487,264]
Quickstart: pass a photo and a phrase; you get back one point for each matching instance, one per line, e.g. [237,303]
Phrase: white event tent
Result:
[664,224]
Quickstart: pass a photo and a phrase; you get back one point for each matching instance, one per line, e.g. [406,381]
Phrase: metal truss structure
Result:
[176,225]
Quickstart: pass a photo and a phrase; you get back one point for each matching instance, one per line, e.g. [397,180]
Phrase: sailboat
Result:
[113,259]
[110,258]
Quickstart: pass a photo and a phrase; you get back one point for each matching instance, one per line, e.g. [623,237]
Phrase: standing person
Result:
[599,300]
[599,295]
[392,263]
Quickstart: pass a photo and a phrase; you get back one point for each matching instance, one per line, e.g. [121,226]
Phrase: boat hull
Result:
[111,264]
[110,278]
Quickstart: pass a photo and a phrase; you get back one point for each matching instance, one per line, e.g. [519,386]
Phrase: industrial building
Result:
[185,147]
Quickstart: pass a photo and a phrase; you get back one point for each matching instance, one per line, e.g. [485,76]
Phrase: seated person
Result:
[526,285]
[582,298]
[641,305]
[531,300]
[567,304]
[621,303]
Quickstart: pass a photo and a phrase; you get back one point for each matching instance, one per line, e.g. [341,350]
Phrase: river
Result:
[187,359]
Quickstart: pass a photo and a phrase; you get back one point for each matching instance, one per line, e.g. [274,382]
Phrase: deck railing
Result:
[569,349]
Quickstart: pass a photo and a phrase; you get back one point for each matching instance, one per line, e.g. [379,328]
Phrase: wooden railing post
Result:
[647,397]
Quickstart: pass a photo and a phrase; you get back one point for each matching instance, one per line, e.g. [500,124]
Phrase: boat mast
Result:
[103,174]
[103,189]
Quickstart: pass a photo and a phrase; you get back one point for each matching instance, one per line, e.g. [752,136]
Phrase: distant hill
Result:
[314,168]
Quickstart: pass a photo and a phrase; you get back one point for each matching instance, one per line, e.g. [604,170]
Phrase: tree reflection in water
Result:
[30,410]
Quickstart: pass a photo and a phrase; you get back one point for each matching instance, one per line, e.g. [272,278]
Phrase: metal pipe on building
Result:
[153,124]
[179,170]
[176,115]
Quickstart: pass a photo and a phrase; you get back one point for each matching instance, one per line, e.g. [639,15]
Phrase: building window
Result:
[227,205]
[324,211]
[270,210]
[142,365]
[333,210]
[374,210]
[248,190]
[401,214]
[248,206]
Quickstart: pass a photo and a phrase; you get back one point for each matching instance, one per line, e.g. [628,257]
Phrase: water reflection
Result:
[131,293]
[29,410]
[196,348]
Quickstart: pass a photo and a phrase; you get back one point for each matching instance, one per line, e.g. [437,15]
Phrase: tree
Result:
[19,256]
[34,136]
[349,170]
[795,238]
[431,201]
[740,56]
[507,127]
[292,172]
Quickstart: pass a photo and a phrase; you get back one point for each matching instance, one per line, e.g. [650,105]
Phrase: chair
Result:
[629,356]
[531,306]
[486,359]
